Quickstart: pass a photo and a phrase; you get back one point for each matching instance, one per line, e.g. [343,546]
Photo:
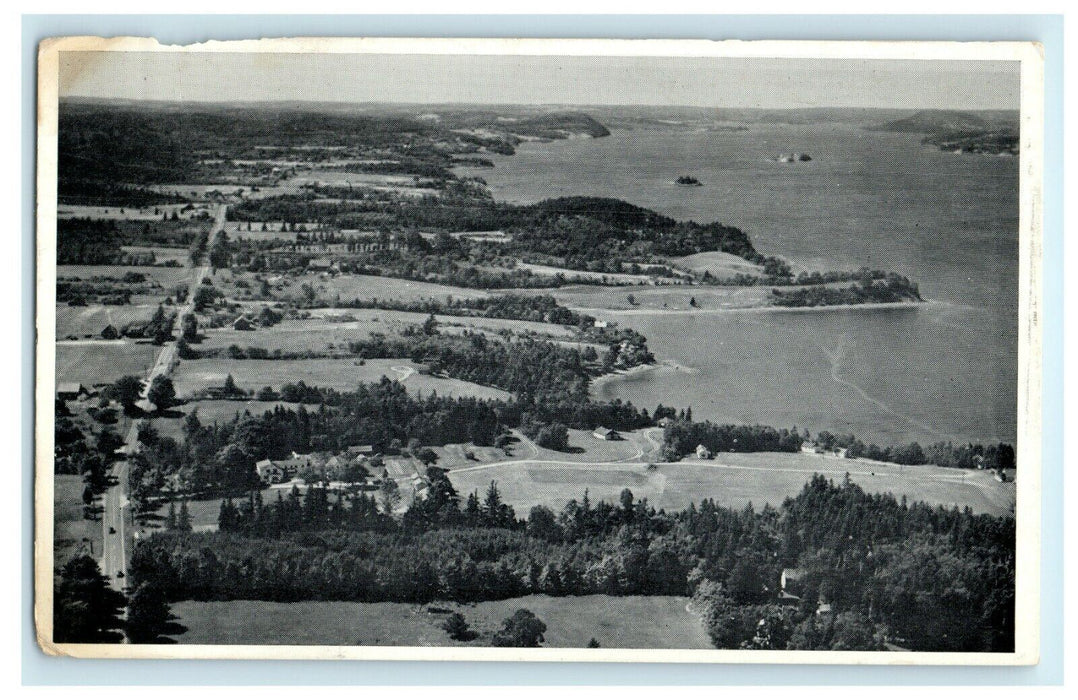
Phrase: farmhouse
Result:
[69,391]
[606,434]
[811,448]
[276,471]
[109,332]
[702,452]
[361,451]
[320,265]
[243,324]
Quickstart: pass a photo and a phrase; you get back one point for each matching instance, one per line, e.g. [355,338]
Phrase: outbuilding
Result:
[69,391]
[606,434]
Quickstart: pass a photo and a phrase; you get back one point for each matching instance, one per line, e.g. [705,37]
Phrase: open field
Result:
[611,277]
[641,622]
[161,254]
[90,320]
[648,298]
[718,263]
[351,287]
[167,277]
[95,362]
[585,447]
[450,456]
[296,335]
[204,513]
[74,534]
[215,411]
[196,191]
[403,184]
[347,287]
[155,213]
[343,375]
[319,334]
[733,480]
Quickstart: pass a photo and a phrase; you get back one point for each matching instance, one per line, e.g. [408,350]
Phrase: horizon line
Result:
[343,103]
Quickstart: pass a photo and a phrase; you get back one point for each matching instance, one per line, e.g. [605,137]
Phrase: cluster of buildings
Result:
[811,448]
[279,471]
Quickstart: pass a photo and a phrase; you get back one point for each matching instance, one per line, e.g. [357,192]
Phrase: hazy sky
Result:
[712,82]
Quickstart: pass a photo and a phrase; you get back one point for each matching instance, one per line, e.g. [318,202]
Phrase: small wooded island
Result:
[688,181]
[793,158]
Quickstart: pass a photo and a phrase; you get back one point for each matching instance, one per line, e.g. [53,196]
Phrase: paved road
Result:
[117,512]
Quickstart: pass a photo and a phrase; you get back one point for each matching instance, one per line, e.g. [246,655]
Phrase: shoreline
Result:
[639,370]
[874,306]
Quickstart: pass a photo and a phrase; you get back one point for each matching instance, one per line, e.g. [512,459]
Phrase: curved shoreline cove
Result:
[939,370]
[831,369]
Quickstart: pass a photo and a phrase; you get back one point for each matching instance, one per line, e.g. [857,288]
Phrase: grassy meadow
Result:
[640,622]
[342,374]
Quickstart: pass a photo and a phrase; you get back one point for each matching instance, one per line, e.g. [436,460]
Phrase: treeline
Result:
[926,578]
[532,370]
[91,193]
[892,289]
[85,241]
[681,437]
[789,279]
[515,307]
[944,454]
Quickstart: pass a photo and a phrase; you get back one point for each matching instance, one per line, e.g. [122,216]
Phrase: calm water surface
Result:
[946,370]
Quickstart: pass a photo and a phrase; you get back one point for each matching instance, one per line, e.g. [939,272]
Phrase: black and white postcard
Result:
[672,351]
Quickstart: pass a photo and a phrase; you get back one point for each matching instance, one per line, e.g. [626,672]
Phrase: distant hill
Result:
[937,121]
[961,132]
[558,125]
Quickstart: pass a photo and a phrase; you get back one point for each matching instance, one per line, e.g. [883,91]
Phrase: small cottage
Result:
[702,452]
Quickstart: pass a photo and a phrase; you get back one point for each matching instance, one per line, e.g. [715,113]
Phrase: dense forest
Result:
[912,575]
[84,241]
[569,231]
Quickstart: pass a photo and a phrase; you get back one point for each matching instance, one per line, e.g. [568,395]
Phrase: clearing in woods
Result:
[733,480]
